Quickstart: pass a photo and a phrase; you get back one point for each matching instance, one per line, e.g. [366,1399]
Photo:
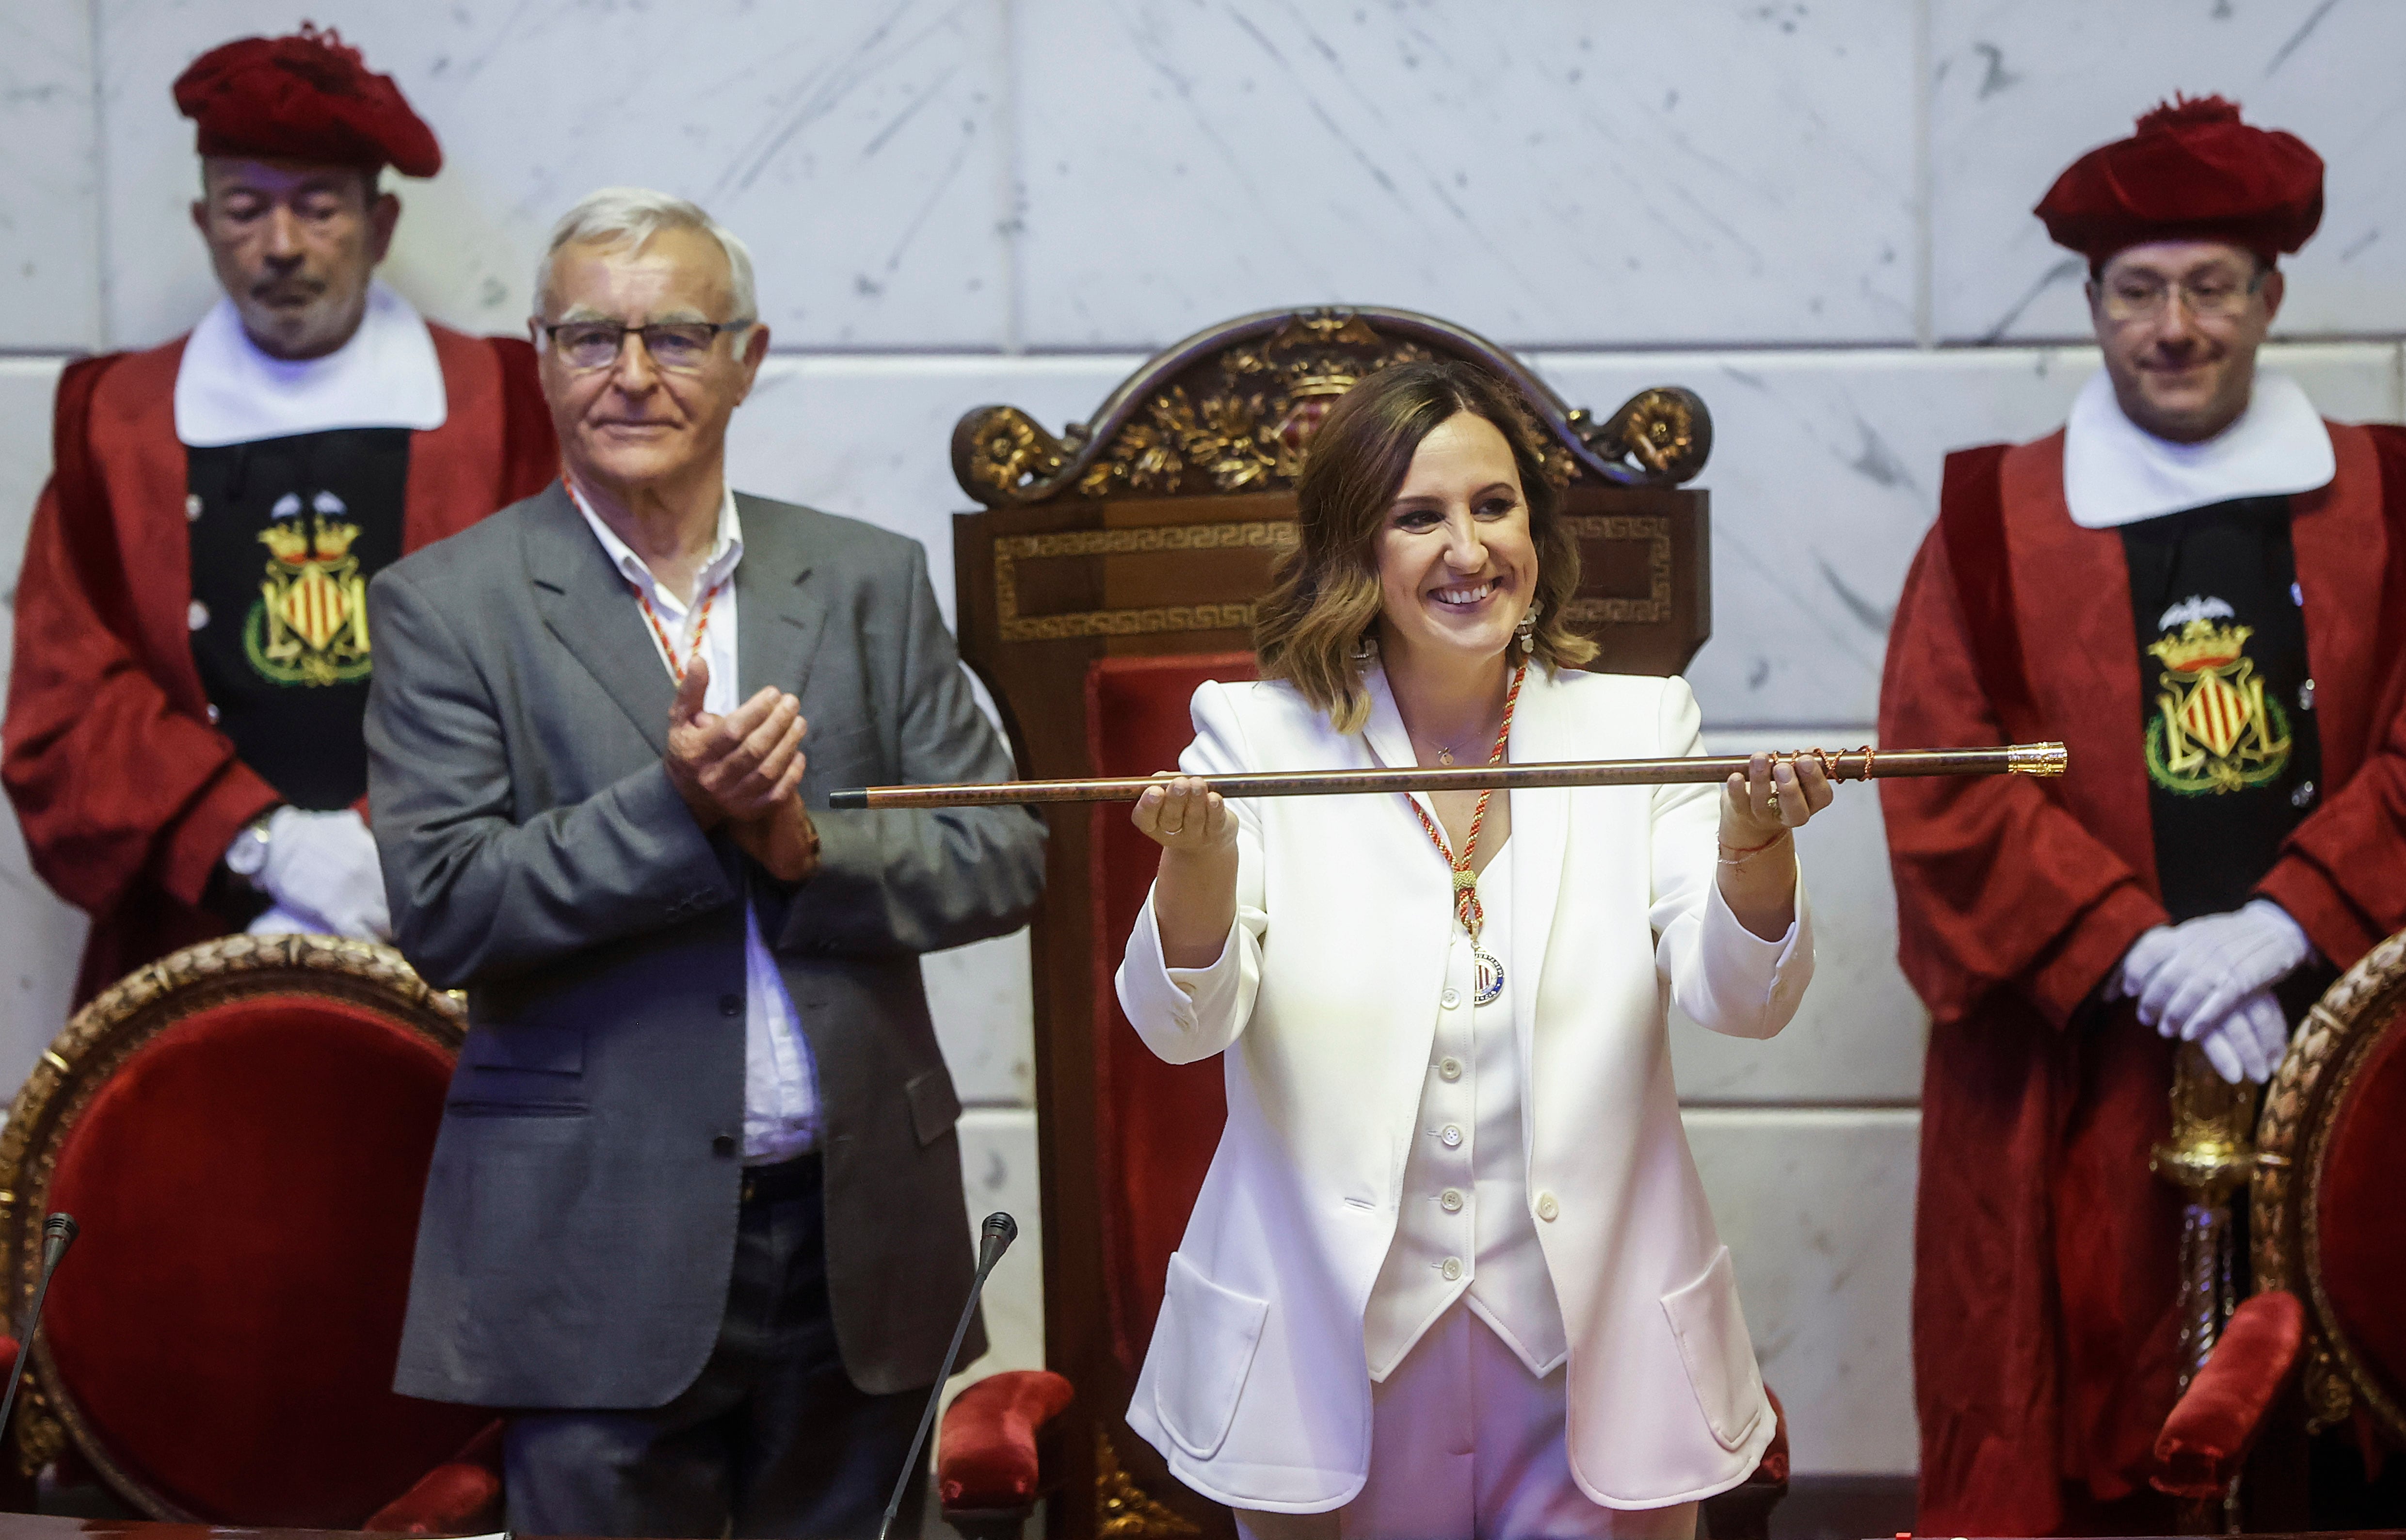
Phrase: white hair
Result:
[632,215]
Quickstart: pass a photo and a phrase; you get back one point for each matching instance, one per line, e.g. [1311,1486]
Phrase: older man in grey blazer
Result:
[696,1211]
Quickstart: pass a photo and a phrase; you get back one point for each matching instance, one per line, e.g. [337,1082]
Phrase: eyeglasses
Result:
[2209,296]
[680,346]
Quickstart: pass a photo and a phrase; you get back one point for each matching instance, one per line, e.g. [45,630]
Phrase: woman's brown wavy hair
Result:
[1324,597]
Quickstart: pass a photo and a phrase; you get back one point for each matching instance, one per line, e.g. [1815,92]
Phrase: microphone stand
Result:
[58,1234]
[994,1238]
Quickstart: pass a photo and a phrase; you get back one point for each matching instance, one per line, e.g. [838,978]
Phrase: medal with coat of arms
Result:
[310,624]
[2214,728]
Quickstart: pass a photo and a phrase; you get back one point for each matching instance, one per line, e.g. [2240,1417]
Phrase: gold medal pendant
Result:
[1491,976]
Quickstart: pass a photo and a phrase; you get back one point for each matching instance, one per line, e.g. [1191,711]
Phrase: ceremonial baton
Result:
[1863,764]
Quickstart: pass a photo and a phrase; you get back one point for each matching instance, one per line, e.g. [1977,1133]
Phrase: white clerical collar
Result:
[2116,472]
[726,550]
[228,391]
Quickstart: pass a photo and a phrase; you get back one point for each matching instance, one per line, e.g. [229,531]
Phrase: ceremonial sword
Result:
[1864,763]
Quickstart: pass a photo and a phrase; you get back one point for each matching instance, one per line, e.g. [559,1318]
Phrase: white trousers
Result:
[1467,1444]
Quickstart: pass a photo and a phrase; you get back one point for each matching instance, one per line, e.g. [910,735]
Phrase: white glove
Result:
[323,875]
[2146,954]
[2250,1040]
[2208,964]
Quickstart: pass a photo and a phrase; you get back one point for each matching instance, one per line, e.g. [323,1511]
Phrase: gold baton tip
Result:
[2049,759]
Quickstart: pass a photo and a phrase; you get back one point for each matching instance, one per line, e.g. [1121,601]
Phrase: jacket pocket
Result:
[1713,1343]
[934,1105]
[1207,1337]
[549,1049]
[515,1110]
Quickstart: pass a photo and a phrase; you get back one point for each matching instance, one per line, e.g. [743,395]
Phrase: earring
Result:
[1527,629]
[1366,648]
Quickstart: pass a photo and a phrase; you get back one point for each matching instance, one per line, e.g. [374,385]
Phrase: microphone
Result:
[994,1238]
[58,1234]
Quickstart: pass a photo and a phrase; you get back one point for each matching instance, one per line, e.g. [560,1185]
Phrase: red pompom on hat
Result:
[306,97]
[2193,170]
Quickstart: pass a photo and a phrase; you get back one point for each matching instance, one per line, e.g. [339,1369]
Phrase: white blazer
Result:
[1255,1387]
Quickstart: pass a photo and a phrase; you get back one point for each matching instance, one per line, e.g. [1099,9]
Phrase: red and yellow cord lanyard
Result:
[1465,881]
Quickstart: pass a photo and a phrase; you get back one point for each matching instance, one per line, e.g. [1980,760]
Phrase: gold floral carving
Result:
[2292,1142]
[1143,540]
[1123,1510]
[1664,432]
[98,1041]
[1232,409]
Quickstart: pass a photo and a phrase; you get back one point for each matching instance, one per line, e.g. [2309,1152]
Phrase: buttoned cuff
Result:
[1152,993]
[1754,980]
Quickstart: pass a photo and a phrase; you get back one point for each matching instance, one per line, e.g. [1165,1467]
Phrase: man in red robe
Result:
[183,737]
[2199,586]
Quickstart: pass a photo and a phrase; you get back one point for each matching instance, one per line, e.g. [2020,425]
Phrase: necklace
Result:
[1465,881]
[701,629]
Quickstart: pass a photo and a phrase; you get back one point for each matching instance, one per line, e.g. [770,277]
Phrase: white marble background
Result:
[1815,214]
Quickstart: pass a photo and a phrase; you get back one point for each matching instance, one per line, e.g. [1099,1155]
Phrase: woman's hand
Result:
[1757,870]
[1769,799]
[1194,892]
[1184,815]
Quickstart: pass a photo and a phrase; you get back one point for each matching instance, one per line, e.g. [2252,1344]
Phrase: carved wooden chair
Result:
[2322,1342]
[242,1131]
[1113,570]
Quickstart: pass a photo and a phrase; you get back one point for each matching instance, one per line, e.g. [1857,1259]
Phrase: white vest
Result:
[1464,1224]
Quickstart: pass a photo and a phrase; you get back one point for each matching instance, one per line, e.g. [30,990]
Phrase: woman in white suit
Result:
[1452,1272]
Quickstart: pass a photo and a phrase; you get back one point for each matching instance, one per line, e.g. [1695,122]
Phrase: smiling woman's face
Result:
[1457,565]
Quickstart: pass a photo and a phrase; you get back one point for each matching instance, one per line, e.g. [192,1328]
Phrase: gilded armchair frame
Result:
[99,1040]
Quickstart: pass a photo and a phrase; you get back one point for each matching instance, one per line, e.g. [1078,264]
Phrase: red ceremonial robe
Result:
[127,796]
[2045,1253]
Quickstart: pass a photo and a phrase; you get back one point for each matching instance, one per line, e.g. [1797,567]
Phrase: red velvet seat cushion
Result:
[2207,1437]
[986,1458]
[462,1495]
[1155,1123]
[247,1186]
[2362,1238]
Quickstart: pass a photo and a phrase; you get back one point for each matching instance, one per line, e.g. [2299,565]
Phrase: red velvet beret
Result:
[2193,170]
[306,97]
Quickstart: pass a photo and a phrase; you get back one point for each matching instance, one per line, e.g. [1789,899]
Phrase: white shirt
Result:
[387,376]
[1464,1225]
[2116,473]
[781,1102]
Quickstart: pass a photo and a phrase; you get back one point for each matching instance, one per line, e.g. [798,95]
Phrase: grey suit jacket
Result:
[579,1221]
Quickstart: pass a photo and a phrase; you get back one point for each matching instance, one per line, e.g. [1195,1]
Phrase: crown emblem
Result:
[2202,645]
[310,623]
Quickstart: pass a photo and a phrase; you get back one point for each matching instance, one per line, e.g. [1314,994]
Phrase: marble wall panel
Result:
[856,148]
[2021,88]
[872,437]
[50,179]
[1825,474]
[981,997]
[40,938]
[1859,1036]
[1816,1209]
[1628,174]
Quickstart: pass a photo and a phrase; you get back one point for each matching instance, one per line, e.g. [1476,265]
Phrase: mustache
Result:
[288,286]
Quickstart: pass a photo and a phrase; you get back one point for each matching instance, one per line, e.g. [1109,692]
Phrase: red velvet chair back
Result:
[1115,567]
[2327,1220]
[1156,1125]
[242,1132]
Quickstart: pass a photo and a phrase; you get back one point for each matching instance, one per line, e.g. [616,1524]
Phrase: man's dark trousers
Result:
[772,1439]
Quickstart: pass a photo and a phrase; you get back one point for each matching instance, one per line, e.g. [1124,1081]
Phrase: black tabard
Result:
[2226,704]
[286,533]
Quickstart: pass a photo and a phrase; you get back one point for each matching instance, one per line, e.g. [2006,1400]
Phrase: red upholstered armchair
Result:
[2330,1253]
[242,1131]
[1114,569]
